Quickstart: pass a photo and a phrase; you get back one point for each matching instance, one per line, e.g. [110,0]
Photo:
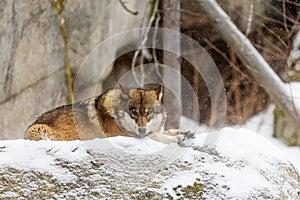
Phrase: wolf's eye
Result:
[133,113]
[149,114]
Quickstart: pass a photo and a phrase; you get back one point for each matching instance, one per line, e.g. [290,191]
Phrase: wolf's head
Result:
[141,111]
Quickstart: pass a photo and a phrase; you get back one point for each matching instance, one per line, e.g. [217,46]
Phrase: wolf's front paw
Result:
[178,136]
[183,137]
[187,133]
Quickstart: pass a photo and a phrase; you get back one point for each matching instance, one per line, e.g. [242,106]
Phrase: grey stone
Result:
[32,53]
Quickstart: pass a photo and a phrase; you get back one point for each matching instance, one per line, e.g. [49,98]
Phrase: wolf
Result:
[122,111]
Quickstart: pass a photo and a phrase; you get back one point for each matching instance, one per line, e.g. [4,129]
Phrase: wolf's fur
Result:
[125,112]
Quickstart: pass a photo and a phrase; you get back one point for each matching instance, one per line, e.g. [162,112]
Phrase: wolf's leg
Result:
[180,134]
[40,132]
[172,136]
[164,138]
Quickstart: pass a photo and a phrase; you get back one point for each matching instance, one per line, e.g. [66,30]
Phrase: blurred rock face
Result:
[32,53]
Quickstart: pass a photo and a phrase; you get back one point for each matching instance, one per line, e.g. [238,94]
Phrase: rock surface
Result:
[32,54]
[242,165]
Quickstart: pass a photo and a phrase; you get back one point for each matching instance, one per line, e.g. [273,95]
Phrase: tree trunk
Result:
[172,96]
[283,128]
[251,58]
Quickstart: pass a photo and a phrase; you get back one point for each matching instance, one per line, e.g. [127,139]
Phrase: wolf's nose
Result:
[142,131]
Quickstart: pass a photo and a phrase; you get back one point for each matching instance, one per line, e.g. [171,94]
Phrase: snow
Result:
[246,155]
[243,158]
[235,177]
[240,154]
[263,125]
[253,145]
[20,154]
[294,56]
[244,145]
[130,145]
[293,90]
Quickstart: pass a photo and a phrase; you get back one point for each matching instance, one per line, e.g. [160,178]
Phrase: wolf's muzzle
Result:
[142,131]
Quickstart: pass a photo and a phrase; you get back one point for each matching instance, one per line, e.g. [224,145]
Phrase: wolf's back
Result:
[69,122]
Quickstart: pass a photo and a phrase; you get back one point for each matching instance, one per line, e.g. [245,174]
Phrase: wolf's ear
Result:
[159,91]
[125,92]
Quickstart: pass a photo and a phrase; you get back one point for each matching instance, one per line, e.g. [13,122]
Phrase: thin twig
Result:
[275,9]
[181,10]
[237,94]
[154,46]
[128,10]
[225,57]
[250,57]
[296,26]
[284,16]
[270,19]
[136,53]
[277,36]
[250,18]
[145,35]
[292,3]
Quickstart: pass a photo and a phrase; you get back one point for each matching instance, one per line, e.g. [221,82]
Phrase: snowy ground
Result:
[239,154]
[263,125]
[63,169]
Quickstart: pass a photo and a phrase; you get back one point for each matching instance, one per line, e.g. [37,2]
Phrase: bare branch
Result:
[128,10]
[252,59]
[225,57]
[284,16]
[154,46]
[145,34]
[250,18]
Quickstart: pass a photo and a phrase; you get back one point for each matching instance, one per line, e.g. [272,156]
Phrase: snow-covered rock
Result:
[242,165]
